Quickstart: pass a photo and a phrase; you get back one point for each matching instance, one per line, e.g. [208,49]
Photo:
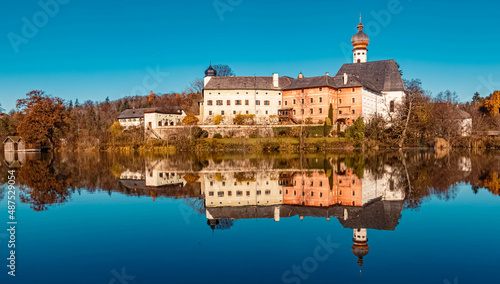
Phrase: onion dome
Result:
[360,40]
[210,72]
[360,250]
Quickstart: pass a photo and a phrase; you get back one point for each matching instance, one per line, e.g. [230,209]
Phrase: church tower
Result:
[360,247]
[360,43]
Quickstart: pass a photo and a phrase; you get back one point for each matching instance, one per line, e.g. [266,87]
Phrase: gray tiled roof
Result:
[246,83]
[383,76]
[139,112]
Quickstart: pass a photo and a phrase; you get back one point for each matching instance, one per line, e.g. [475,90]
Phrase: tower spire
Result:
[360,17]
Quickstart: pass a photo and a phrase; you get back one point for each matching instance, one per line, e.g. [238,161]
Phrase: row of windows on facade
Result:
[320,111]
[279,94]
[239,193]
[320,194]
[238,102]
[302,90]
[133,119]
[320,183]
[235,183]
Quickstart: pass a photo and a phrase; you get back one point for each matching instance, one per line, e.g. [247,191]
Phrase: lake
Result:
[385,217]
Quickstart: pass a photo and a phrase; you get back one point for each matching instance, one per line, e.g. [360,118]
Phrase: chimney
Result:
[327,73]
[345,78]
[276,83]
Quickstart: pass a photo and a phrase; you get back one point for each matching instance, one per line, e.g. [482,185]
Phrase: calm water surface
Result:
[395,217]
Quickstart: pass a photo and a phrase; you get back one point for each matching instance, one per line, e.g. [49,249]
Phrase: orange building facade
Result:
[318,190]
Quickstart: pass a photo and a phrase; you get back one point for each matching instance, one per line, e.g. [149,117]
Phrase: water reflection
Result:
[361,191]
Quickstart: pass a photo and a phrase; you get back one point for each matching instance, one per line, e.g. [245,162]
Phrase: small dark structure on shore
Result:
[17,144]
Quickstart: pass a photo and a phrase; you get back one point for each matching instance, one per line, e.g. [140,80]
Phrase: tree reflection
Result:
[41,186]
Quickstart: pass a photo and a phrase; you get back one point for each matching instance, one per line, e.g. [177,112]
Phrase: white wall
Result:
[274,97]
[129,122]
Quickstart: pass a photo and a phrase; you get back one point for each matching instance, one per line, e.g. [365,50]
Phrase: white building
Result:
[151,118]
[229,96]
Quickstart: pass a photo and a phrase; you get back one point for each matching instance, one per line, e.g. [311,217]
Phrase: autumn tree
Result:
[45,118]
[190,120]
[492,103]
[223,70]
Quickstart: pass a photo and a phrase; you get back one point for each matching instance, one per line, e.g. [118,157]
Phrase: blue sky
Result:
[94,49]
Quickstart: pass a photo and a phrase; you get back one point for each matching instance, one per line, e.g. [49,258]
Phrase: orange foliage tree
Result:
[492,103]
[45,118]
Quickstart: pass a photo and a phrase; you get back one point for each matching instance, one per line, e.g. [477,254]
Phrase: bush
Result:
[356,131]
[242,119]
[309,120]
[217,136]
[218,119]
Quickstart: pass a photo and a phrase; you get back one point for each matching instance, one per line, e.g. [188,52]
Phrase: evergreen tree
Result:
[77,103]
[330,113]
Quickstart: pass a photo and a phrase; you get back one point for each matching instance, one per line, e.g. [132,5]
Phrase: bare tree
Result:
[223,70]
[196,86]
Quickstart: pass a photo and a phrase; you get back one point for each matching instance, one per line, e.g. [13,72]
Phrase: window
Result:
[220,193]
[340,101]
[228,102]
[294,101]
[246,112]
[286,191]
[293,112]
[286,103]
[235,183]
[320,99]
[302,111]
[229,193]
[159,123]
[248,193]
[303,101]
[257,103]
[320,110]
[391,106]
[321,89]
[161,175]
[320,183]
[218,94]
[223,183]
[353,111]
[340,112]
[268,192]
[266,103]
[219,102]
[312,111]
[294,192]
[222,112]
[266,93]
[258,192]
[353,90]
[267,112]
[353,193]
[340,193]
[209,103]
[239,193]
[302,91]
[234,112]
[279,103]
[312,183]
[238,102]
[247,102]
[209,112]
[312,100]
[279,94]
[340,91]
[211,183]
[321,194]
[211,193]
[353,100]
[257,93]
[312,193]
